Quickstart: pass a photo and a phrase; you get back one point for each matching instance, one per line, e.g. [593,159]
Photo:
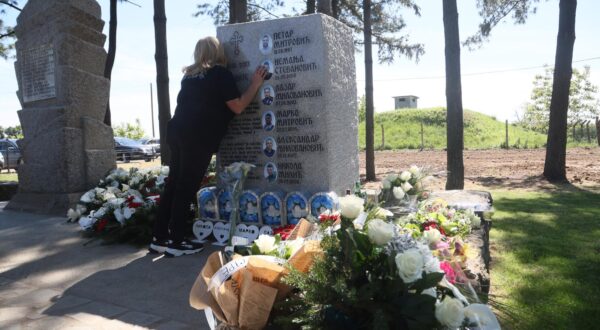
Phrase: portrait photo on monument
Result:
[269,146]
[267,95]
[270,172]
[265,44]
[270,68]
[268,121]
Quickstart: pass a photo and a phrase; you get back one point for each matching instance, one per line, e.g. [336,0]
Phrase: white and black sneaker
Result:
[182,248]
[158,246]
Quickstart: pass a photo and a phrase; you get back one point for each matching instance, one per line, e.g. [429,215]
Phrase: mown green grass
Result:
[402,130]
[5,176]
[546,258]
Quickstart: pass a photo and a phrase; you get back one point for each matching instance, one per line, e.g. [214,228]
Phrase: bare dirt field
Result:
[492,169]
[484,169]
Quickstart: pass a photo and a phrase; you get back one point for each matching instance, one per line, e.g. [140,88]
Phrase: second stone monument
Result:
[301,131]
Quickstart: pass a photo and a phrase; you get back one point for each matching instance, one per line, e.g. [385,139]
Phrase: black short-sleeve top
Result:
[201,111]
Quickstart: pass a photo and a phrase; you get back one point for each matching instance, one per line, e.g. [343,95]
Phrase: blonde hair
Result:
[208,53]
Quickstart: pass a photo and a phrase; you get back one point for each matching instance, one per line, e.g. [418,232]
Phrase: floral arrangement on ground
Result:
[359,268]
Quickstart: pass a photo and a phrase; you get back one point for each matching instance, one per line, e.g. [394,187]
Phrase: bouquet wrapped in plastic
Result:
[241,293]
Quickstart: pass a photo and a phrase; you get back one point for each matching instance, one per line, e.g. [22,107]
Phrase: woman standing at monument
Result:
[207,101]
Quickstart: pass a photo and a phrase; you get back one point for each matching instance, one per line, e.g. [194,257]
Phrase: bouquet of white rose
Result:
[375,275]
[405,186]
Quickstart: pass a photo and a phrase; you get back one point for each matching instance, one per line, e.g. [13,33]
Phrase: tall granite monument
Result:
[60,63]
[301,131]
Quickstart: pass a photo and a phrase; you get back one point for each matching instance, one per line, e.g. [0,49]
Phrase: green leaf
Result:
[427,281]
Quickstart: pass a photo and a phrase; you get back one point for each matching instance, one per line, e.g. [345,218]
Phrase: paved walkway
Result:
[50,280]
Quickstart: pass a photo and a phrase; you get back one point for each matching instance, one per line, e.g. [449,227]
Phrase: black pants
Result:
[187,167]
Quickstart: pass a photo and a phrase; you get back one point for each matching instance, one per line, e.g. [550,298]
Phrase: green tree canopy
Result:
[128,130]
[7,34]
[257,10]
[584,100]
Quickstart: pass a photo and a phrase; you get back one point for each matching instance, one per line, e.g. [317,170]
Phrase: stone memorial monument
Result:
[301,131]
[67,148]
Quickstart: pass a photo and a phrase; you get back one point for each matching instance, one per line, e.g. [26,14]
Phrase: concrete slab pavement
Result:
[50,280]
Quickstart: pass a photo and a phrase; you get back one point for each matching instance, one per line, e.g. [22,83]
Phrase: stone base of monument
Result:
[45,203]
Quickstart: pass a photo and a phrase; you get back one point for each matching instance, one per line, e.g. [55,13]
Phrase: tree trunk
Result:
[324,7]
[335,8]
[556,148]
[110,57]
[162,77]
[369,109]
[310,7]
[238,11]
[454,112]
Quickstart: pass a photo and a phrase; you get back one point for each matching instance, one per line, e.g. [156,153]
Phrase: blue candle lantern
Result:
[207,203]
[271,209]
[323,202]
[249,210]
[296,207]
[225,205]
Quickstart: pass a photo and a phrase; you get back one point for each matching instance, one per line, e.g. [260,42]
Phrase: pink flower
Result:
[441,245]
[450,274]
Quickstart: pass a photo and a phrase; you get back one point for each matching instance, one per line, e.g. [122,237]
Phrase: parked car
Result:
[153,142]
[128,149]
[11,153]
[1,161]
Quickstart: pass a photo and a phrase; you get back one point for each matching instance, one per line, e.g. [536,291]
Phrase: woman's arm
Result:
[238,105]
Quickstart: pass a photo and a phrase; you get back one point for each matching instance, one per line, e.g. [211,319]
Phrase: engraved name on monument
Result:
[37,73]
[301,131]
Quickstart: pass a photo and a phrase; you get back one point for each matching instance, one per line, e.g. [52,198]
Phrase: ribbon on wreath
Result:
[234,266]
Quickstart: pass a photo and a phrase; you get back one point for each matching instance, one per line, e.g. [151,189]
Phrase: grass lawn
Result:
[5,176]
[546,258]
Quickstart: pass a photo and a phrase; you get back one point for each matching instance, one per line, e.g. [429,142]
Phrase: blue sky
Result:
[511,48]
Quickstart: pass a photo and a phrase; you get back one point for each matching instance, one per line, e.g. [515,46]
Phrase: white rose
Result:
[294,245]
[405,176]
[410,265]
[265,243]
[73,215]
[386,184]
[392,177]
[398,192]
[86,222]
[164,170]
[383,213]
[432,235]
[351,206]
[475,221]
[380,232]
[118,213]
[415,170]
[128,212]
[450,312]
[99,213]
[88,197]
[406,186]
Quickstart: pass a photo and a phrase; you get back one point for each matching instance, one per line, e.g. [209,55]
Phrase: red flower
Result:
[134,205]
[101,224]
[326,217]
[433,225]
[284,231]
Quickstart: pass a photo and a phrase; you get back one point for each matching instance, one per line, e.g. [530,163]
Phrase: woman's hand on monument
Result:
[259,75]
[238,105]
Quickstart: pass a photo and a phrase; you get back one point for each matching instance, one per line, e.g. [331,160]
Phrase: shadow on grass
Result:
[546,256]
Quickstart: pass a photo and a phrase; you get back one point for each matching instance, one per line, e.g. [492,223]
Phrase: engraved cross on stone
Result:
[236,40]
